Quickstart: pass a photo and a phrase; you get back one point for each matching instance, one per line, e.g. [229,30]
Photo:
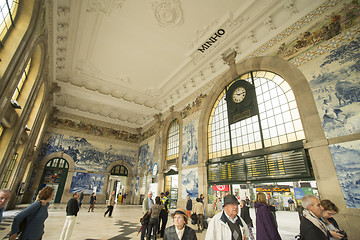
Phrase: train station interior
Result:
[187,97]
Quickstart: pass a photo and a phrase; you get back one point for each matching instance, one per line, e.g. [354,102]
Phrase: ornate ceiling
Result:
[123,61]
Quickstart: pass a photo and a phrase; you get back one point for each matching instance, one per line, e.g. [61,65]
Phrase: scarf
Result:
[316,221]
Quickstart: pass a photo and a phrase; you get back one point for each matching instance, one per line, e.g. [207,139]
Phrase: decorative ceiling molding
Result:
[138,119]
[168,13]
[105,6]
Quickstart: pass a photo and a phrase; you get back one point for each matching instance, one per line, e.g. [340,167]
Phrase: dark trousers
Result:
[164,219]
[152,227]
[161,212]
[200,221]
[109,210]
[144,230]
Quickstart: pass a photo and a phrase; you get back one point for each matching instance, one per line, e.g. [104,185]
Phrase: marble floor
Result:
[124,224]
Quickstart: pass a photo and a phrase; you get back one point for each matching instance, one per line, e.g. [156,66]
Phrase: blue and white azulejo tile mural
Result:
[87,182]
[87,155]
[146,156]
[346,157]
[190,143]
[336,89]
[190,183]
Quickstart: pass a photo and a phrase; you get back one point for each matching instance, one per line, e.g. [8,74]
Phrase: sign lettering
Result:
[212,40]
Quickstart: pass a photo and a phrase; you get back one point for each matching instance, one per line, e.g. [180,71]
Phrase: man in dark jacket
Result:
[245,215]
[164,214]
[72,209]
[311,227]
[188,206]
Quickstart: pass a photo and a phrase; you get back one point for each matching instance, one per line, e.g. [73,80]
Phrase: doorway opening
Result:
[117,182]
[54,175]
[171,186]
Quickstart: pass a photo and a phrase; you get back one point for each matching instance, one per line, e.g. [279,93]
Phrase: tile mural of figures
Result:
[87,156]
[87,182]
[190,183]
[190,143]
[346,157]
[336,90]
[146,156]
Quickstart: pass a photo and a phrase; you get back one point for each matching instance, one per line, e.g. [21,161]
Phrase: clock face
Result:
[155,169]
[239,95]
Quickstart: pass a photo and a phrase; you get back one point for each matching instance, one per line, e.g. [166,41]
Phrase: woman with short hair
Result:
[180,230]
[33,217]
[333,230]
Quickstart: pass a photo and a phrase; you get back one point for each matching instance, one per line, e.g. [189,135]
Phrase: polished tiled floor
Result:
[124,224]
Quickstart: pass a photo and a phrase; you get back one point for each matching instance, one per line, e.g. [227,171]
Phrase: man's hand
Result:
[336,235]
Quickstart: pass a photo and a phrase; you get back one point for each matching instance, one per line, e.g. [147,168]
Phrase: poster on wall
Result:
[190,183]
[189,143]
[146,156]
[87,155]
[346,157]
[89,182]
[336,89]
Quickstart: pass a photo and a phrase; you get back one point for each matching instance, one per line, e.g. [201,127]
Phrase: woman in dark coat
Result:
[34,216]
[265,223]
[180,220]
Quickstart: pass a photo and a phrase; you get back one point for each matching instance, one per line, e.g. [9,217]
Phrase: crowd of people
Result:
[316,222]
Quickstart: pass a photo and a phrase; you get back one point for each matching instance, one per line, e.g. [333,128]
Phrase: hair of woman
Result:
[261,197]
[45,193]
[329,205]
[157,200]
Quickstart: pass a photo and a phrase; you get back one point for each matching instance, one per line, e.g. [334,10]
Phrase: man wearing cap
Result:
[180,230]
[227,224]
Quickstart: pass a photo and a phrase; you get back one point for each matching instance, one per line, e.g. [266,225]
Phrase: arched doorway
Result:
[117,181]
[54,175]
[171,186]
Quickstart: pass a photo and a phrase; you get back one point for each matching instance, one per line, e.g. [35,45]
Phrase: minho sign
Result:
[212,40]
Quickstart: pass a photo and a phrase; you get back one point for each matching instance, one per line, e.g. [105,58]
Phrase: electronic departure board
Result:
[282,165]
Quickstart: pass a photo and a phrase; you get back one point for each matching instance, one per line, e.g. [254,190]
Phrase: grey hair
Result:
[5,190]
[307,201]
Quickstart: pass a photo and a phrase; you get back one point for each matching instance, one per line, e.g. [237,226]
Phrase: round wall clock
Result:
[239,94]
[154,170]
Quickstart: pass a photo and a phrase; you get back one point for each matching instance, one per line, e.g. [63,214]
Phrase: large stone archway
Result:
[315,140]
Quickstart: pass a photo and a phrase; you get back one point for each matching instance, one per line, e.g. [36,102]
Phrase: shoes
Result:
[110,216]
[104,214]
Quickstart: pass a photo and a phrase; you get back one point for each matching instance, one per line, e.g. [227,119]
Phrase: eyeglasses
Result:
[331,213]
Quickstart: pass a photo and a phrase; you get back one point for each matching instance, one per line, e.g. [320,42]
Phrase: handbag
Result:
[145,219]
[193,218]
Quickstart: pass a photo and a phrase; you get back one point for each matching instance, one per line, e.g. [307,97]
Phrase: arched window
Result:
[57,163]
[278,121]
[21,82]
[1,130]
[119,170]
[9,171]
[8,13]
[172,151]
